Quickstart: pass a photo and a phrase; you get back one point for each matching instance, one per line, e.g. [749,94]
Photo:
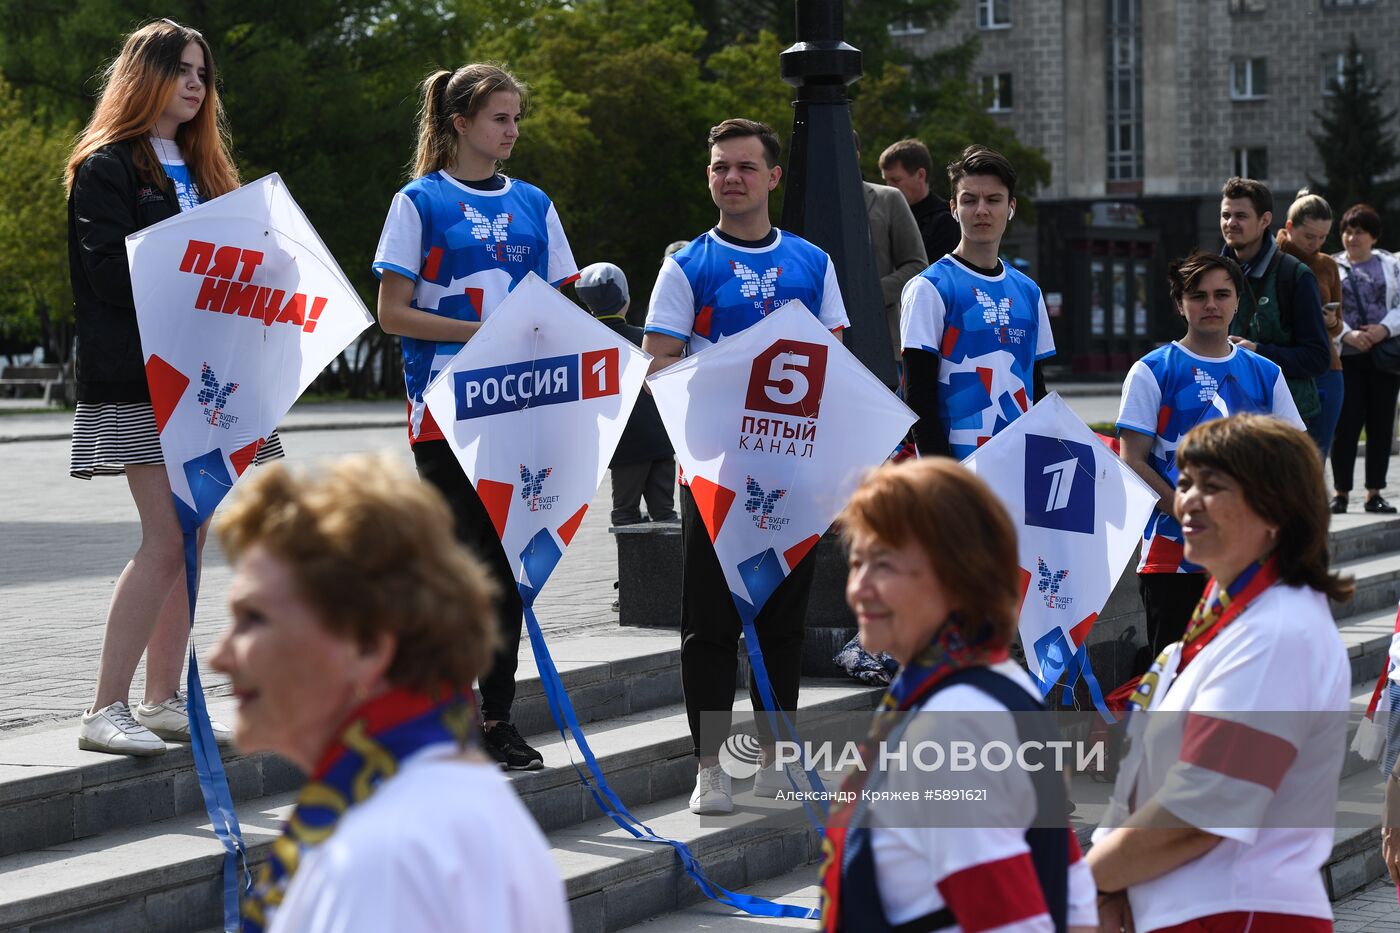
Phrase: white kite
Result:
[773,429]
[1079,512]
[240,306]
[534,406]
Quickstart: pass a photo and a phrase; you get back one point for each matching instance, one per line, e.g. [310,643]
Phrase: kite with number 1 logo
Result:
[534,406]
[1079,513]
[240,306]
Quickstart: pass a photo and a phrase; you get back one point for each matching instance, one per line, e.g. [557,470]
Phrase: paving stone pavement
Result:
[1373,909]
[64,541]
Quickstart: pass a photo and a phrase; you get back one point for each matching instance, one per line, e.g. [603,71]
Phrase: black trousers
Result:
[710,629]
[437,464]
[1368,400]
[654,479]
[1168,599]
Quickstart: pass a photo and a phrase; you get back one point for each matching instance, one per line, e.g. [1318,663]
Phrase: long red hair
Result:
[136,88]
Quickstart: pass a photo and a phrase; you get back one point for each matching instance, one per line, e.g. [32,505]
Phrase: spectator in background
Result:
[1280,311]
[644,463]
[899,248]
[1309,222]
[1371,314]
[907,165]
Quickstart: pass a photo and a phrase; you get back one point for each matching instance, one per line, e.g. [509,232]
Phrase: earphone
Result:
[1012,214]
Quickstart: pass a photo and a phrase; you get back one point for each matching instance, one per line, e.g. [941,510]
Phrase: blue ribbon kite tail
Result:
[539,559]
[1057,659]
[208,766]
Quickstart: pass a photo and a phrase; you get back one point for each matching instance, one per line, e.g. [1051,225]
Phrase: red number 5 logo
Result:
[788,379]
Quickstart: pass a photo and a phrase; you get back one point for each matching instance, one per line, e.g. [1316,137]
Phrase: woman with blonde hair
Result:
[1309,222]
[358,624]
[458,238]
[156,145]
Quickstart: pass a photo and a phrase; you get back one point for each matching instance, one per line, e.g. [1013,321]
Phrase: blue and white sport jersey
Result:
[465,249]
[1170,391]
[989,331]
[172,160]
[715,288]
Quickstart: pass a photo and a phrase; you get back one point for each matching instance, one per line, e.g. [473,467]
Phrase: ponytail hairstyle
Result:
[136,88]
[449,94]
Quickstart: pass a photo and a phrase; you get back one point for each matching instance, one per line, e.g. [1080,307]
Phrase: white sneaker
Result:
[171,721]
[712,792]
[770,780]
[114,730]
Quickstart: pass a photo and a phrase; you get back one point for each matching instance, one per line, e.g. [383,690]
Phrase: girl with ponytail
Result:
[156,145]
[436,289]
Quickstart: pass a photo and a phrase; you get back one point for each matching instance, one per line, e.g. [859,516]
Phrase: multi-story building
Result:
[1144,107]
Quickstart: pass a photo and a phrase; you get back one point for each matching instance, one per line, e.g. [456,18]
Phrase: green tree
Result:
[1356,142]
[36,306]
[616,129]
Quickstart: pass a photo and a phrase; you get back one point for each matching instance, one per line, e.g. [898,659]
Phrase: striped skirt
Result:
[109,435]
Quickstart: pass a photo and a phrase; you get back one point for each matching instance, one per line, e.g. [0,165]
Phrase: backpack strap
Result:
[1048,845]
[1286,285]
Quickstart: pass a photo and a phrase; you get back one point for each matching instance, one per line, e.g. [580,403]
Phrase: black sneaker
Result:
[1379,505]
[506,746]
[1339,504]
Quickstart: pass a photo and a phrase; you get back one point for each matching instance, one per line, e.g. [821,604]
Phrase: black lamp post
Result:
[824,202]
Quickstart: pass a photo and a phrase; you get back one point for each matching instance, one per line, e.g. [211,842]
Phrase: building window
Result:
[1334,65]
[996,92]
[993,14]
[1249,79]
[1123,34]
[1339,4]
[1248,6]
[1252,162]
[907,25]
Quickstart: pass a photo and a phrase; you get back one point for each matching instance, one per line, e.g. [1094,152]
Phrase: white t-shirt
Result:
[1226,741]
[984,871]
[444,845]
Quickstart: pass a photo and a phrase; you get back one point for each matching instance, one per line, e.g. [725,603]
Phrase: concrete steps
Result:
[105,843]
[95,842]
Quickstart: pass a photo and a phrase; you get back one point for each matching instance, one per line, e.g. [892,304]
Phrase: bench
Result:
[47,381]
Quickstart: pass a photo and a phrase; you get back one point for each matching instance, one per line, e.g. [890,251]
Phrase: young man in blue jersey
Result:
[719,284]
[1168,392]
[973,329]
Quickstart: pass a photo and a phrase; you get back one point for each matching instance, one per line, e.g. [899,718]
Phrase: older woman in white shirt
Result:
[358,626]
[1221,818]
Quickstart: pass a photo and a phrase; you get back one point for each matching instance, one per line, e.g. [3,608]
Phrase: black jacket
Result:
[644,439]
[107,203]
[940,232]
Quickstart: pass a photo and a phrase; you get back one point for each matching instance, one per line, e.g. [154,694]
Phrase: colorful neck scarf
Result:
[947,654]
[1212,614]
[374,741]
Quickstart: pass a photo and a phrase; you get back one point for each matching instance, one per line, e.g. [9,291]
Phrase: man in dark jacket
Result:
[1280,313]
[907,165]
[644,463]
